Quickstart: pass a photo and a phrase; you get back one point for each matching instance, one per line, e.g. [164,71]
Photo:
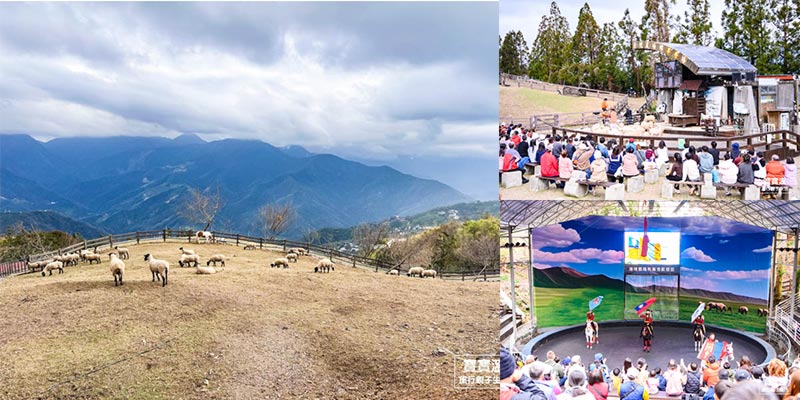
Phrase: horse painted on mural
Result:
[591,333]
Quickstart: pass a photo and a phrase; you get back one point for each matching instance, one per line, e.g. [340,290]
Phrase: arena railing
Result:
[108,242]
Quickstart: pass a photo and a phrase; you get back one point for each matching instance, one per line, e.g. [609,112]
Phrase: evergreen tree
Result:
[607,68]
[585,45]
[786,19]
[630,34]
[549,59]
[696,25]
[513,53]
[757,47]
[733,39]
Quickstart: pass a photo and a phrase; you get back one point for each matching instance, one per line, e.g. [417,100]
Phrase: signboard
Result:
[652,248]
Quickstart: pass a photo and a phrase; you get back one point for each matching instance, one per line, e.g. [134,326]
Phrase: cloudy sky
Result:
[525,15]
[716,253]
[371,81]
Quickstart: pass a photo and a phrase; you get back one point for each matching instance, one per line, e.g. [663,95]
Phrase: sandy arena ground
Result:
[249,332]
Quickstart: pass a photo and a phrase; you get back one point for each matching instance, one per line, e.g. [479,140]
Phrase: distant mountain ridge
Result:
[49,221]
[125,184]
[570,278]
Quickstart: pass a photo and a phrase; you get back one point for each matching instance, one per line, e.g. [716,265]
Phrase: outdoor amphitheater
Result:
[586,278]
[247,331]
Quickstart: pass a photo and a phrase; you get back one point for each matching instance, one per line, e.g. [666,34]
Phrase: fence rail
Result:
[108,242]
[522,81]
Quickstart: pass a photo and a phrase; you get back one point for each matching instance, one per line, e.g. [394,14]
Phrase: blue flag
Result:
[593,303]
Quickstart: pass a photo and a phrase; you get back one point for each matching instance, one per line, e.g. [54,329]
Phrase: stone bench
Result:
[509,179]
[532,169]
[668,186]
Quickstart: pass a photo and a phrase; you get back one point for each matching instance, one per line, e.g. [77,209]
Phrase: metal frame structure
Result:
[777,216]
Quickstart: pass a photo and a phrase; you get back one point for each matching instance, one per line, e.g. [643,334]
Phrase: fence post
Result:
[376,267]
[137,237]
[237,240]
[260,243]
[84,245]
[308,248]
[284,245]
[354,260]
[463,273]
[164,235]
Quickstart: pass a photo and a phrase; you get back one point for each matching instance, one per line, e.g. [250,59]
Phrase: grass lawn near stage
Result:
[562,307]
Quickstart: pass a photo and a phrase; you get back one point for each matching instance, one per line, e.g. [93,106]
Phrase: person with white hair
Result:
[775,171]
[538,372]
[575,387]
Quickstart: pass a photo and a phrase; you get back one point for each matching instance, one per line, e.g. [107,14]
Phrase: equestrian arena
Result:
[248,331]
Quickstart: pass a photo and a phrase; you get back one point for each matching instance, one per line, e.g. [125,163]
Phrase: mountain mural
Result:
[565,277]
[122,184]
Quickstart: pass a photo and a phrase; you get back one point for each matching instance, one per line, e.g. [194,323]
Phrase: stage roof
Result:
[775,215]
[701,60]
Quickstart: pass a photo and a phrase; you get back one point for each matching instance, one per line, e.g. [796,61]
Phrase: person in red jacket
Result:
[549,164]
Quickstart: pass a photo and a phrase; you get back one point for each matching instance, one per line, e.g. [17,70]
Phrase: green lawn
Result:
[561,307]
[524,102]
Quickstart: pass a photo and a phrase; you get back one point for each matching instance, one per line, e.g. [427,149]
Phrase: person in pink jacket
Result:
[564,166]
[630,164]
[790,173]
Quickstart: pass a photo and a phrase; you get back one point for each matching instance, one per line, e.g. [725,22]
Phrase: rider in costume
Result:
[647,331]
[590,319]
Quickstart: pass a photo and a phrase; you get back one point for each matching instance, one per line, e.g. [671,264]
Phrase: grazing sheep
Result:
[428,272]
[117,267]
[53,265]
[297,250]
[36,264]
[158,268]
[73,258]
[124,254]
[394,272]
[249,247]
[215,259]
[188,259]
[415,271]
[743,310]
[324,265]
[291,257]
[93,257]
[206,270]
[280,262]
[82,254]
[763,312]
[186,251]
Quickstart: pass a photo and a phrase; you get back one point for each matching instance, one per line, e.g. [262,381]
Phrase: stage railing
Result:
[784,320]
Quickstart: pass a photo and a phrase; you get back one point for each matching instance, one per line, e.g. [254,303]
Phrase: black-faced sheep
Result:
[297,250]
[117,268]
[291,257]
[249,247]
[394,272]
[188,259]
[158,268]
[429,272]
[186,251]
[415,271]
[93,257]
[53,265]
[215,259]
[72,259]
[324,265]
[280,262]
[123,252]
[36,265]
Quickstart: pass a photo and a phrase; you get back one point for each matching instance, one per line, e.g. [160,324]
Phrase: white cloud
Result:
[766,249]
[696,254]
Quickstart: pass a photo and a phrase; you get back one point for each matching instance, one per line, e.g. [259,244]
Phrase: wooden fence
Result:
[522,81]
[340,257]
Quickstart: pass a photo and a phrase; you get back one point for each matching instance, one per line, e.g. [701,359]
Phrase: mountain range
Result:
[569,278]
[122,184]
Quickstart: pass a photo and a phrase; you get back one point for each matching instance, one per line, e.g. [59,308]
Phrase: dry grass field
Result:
[521,102]
[248,332]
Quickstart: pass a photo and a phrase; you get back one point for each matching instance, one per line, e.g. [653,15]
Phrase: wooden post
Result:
[237,240]
[354,261]
[164,235]
[137,237]
[84,245]
[284,245]
[261,243]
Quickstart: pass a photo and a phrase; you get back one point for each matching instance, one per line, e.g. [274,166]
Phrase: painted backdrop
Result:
[721,261]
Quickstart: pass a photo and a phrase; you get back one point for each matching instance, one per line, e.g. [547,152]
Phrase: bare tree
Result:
[481,250]
[368,236]
[311,236]
[22,240]
[416,250]
[202,207]
[276,218]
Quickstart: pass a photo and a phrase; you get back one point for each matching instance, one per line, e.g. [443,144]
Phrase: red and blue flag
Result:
[645,305]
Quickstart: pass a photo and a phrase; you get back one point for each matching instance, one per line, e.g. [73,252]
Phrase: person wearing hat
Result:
[647,332]
[590,320]
[630,390]
[741,375]
[604,104]
[711,371]
[582,156]
[699,331]
[514,385]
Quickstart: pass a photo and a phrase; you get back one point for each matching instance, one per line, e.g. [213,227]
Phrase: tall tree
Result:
[696,25]
[656,20]
[607,68]
[786,19]
[585,45]
[757,46]
[733,37]
[514,53]
[369,236]
[630,33]
[550,53]
[202,207]
[276,219]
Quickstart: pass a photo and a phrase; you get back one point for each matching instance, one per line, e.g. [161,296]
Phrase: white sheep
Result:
[117,267]
[297,250]
[53,265]
[123,252]
[429,272]
[394,272]
[93,257]
[291,257]
[324,265]
[280,262]
[249,247]
[186,251]
[415,271]
[215,259]
[158,268]
[188,259]
[206,270]
[36,265]
[73,258]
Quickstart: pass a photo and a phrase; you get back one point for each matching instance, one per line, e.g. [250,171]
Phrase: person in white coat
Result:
[727,172]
